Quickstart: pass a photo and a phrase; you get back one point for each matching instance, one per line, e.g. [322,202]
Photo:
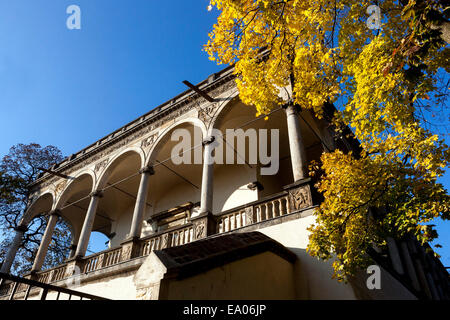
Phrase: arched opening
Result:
[97,242]
[36,220]
[174,191]
[237,184]
[120,184]
[74,202]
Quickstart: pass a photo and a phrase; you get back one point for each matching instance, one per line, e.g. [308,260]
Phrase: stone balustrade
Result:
[292,199]
[175,237]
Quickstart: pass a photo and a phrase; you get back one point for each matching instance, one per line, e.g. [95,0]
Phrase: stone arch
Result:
[222,110]
[165,135]
[44,203]
[65,193]
[114,162]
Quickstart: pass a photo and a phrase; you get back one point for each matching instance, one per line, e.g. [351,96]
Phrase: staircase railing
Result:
[11,285]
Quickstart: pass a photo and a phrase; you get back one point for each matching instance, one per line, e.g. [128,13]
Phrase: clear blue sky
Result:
[69,88]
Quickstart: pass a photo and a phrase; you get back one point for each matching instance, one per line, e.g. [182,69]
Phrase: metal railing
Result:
[11,286]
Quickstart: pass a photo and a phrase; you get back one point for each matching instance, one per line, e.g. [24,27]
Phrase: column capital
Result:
[96,193]
[147,169]
[21,228]
[208,140]
[55,212]
[291,108]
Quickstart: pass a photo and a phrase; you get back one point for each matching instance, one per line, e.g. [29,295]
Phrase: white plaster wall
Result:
[230,187]
[118,287]
[177,195]
[121,226]
[312,276]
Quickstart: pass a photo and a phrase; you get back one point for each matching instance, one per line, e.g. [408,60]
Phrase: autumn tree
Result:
[388,77]
[18,169]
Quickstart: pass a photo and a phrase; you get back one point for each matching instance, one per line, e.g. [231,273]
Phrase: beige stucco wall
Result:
[264,276]
[313,276]
[117,287]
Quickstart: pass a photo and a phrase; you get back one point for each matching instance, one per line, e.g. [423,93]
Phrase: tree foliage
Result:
[17,170]
[389,85]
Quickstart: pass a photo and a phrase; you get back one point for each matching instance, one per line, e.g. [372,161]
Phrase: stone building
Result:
[207,230]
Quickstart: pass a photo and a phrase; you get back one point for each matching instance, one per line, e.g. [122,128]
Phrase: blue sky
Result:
[69,88]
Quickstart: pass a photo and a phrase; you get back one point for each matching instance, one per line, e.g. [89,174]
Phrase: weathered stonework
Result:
[301,197]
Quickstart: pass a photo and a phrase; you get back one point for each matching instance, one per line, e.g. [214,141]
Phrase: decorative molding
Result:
[149,141]
[206,114]
[145,293]
[101,165]
[301,197]
[249,215]
[165,241]
[127,251]
[60,187]
[142,126]
[200,229]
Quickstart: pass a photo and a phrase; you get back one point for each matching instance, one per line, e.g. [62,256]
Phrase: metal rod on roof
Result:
[54,173]
[199,91]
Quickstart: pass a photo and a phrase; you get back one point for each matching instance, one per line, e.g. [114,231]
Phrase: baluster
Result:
[258,213]
[280,207]
[13,291]
[274,208]
[27,293]
[288,205]
[238,219]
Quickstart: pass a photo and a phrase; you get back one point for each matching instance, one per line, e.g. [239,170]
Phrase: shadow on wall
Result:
[313,281]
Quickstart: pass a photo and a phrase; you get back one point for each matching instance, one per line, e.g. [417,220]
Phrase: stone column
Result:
[45,242]
[141,202]
[73,244]
[87,225]
[206,200]
[296,146]
[11,255]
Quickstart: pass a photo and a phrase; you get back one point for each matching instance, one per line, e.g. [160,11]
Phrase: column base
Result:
[130,248]
[204,225]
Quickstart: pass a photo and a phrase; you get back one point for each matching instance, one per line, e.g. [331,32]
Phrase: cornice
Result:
[214,85]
